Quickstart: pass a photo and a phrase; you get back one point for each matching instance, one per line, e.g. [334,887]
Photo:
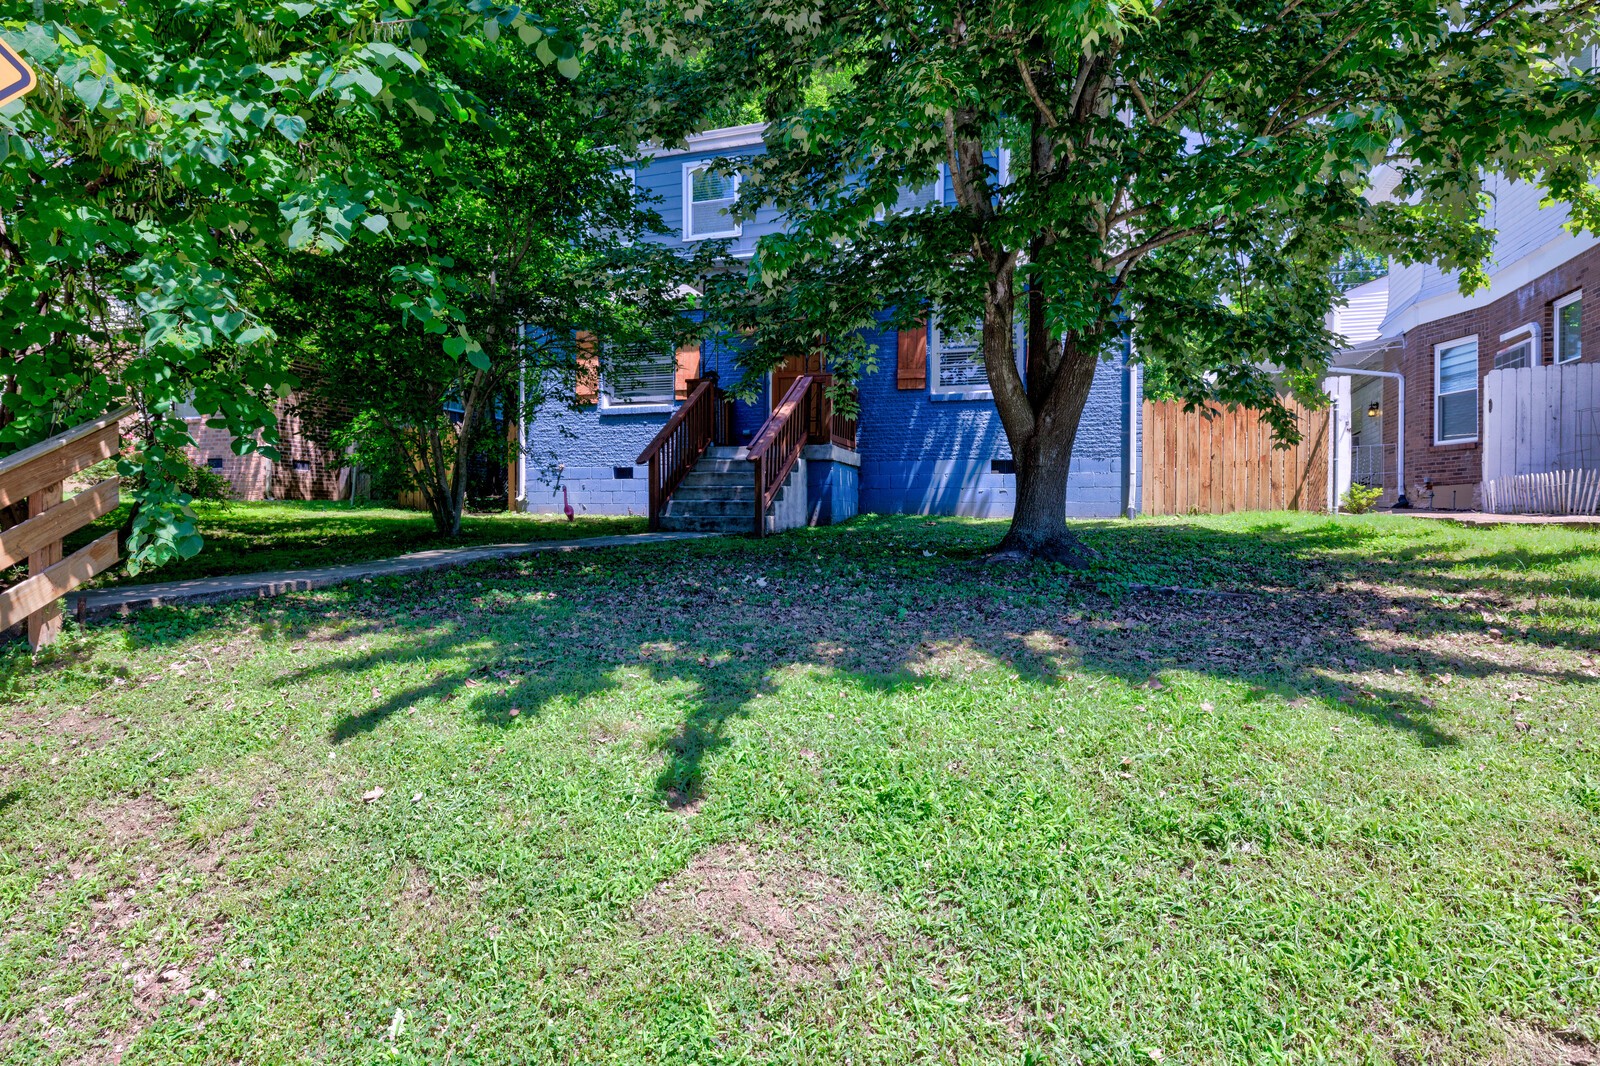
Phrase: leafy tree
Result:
[1184,175]
[168,147]
[533,234]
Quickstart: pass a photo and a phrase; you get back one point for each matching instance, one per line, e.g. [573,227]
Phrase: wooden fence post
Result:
[44,625]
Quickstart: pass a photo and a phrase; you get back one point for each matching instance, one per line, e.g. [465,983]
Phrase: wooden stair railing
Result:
[804,416]
[777,444]
[36,474]
[704,419]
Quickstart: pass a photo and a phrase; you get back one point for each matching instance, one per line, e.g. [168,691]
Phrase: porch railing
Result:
[704,419]
[805,415]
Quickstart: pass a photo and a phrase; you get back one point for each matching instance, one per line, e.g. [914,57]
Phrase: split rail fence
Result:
[38,475]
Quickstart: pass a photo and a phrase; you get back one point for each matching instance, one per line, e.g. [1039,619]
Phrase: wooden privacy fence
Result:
[37,474]
[1218,460]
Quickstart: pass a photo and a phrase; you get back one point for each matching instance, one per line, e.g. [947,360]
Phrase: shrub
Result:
[203,483]
[1359,499]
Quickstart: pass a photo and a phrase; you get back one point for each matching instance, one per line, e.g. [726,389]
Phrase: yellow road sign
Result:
[16,77]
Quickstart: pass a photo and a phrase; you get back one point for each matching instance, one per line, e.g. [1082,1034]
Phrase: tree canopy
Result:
[1184,175]
[167,147]
[534,235]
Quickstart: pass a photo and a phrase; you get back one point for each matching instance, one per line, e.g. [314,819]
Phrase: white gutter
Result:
[1402,502]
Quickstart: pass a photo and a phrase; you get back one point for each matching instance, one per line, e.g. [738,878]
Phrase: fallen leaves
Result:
[373,796]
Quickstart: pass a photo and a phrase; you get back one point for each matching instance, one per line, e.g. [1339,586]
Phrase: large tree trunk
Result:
[1041,441]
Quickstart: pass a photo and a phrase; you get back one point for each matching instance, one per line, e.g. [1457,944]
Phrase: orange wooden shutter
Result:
[911,370]
[588,381]
[688,367]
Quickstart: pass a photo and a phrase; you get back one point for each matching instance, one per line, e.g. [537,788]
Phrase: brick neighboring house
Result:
[1531,314]
[307,471]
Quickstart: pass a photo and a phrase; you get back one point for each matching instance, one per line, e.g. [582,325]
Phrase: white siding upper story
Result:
[1530,240]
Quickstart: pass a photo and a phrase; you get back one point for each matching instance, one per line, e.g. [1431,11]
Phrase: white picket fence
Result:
[1554,492]
[1541,439]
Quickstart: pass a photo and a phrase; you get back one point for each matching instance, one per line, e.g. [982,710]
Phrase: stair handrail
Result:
[777,445]
[699,422]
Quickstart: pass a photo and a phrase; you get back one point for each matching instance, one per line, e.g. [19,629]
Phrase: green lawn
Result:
[247,538]
[845,795]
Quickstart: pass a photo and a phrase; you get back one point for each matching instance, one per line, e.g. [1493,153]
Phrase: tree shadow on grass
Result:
[896,606]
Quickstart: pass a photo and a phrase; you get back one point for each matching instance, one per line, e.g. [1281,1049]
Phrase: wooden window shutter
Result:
[587,385]
[911,369]
[688,367]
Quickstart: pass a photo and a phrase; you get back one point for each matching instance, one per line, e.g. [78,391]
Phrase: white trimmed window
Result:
[955,357]
[1514,357]
[1569,325]
[643,374]
[1455,391]
[708,199]
[914,199]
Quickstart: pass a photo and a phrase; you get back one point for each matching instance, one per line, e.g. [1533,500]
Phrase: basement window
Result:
[215,462]
[1002,466]
[622,473]
[302,465]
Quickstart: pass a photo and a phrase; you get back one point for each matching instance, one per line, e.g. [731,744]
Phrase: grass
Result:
[249,538]
[843,795]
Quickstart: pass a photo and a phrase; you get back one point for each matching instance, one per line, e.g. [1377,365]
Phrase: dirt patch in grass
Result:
[1532,1046]
[74,725]
[122,970]
[808,923]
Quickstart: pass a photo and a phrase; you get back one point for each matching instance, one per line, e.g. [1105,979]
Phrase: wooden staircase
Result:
[719,495]
[700,482]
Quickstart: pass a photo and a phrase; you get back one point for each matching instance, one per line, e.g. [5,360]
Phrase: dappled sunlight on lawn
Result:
[857,792]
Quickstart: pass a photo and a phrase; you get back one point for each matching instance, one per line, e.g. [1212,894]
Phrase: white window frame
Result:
[1555,326]
[966,392]
[935,354]
[1526,344]
[883,212]
[689,170]
[611,404]
[1477,389]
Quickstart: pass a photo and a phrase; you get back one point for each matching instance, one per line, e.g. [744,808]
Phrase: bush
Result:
[1359,499]
[203,483]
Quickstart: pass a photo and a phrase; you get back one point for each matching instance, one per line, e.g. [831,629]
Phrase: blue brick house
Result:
[928,439]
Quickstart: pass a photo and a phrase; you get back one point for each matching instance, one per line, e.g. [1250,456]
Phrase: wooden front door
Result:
[784,373]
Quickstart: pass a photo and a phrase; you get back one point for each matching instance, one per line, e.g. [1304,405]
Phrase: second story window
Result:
[708,198]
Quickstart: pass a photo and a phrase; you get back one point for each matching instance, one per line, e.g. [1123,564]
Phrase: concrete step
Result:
[707,523]
[746,493]
[713,479]
[707,508]
[712,465]
[725,451]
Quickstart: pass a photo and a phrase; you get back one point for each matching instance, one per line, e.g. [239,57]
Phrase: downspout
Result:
[522,441]
[1402,501]
[1130,437]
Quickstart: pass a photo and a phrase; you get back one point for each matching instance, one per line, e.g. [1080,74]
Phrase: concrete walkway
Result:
[128,598]
[1483,518]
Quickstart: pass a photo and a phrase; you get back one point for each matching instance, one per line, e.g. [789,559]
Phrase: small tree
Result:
[167,149]
[1184,175]
[534,234]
